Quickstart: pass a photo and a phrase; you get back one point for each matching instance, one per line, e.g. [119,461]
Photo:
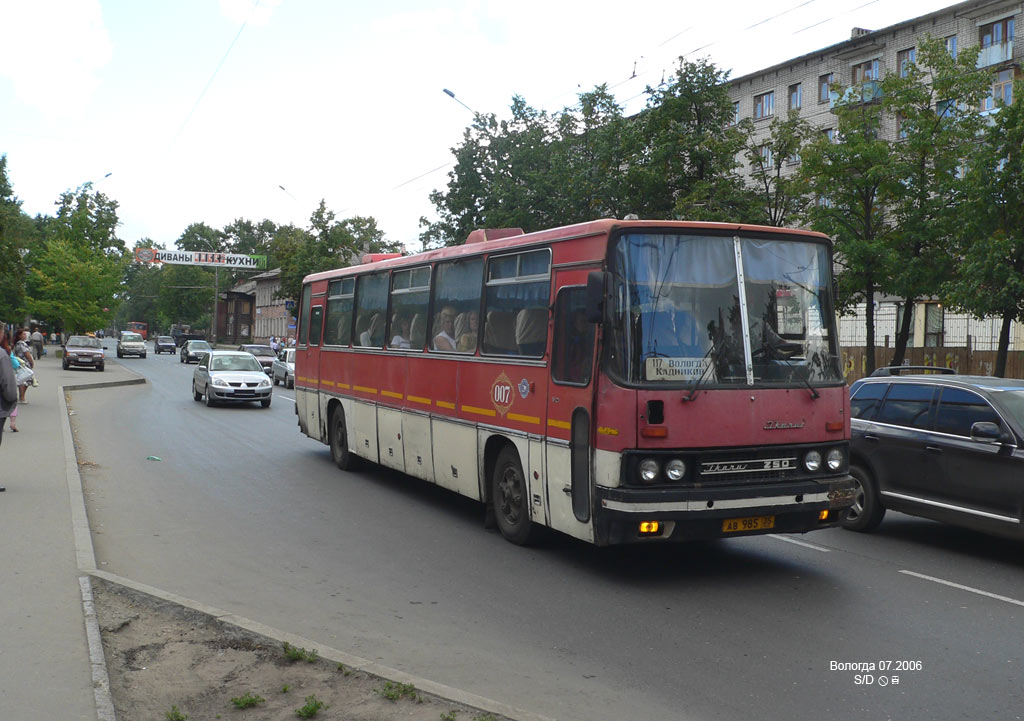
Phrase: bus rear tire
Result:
[510,499]
[340,452]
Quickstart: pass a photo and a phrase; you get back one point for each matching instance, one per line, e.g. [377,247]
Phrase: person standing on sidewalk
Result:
[8,386]
[21,350]
[37,342]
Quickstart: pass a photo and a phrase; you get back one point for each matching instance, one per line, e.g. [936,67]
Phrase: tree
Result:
[848,173]
[935,104]
[780,192]
[16,236]
[990,250]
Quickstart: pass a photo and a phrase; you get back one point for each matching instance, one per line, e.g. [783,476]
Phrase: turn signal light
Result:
[651,432]
[834,426]
[650,528]
[823,515]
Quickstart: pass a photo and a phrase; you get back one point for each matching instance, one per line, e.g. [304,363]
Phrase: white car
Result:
[230,377]
[283,369]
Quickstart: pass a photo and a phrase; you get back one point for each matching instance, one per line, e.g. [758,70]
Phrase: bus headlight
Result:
[649,470]
[834,459]
[812,461]
[675,469]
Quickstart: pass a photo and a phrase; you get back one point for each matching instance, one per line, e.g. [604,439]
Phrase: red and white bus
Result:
[618,381]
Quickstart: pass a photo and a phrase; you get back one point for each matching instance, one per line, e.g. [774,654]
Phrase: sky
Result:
[214,110]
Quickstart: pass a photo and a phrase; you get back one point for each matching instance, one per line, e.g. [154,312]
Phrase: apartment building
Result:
[805,84]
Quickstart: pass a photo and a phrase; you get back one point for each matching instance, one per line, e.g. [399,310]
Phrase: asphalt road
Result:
[245,513]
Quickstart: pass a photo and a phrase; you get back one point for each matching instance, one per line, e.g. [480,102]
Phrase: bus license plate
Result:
[755,523]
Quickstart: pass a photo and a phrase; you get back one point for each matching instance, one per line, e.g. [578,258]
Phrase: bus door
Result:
[308,401]
[569,412]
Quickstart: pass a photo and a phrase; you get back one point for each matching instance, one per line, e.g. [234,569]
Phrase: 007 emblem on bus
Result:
[502,394]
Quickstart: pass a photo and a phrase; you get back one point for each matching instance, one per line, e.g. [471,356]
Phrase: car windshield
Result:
[1010,400]
[235,363]
[165,339]
[84,341]
[680,311]
[131,338]
[261,350]
[198,345]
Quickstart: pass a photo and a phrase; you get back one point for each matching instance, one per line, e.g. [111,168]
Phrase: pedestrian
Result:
[37,342]
[24,354]
[8,386]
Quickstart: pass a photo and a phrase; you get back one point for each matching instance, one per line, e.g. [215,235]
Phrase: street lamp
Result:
[451,95]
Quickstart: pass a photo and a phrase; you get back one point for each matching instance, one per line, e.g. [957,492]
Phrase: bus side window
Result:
[315,323]
[307,294]
[456,307]
[572,350]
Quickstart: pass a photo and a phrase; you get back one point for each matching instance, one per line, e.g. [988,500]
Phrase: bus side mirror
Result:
[595,297]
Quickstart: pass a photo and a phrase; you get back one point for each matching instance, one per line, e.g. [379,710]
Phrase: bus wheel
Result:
[343,458]
[510,498]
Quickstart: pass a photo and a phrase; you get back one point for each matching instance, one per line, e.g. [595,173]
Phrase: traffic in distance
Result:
[618,381]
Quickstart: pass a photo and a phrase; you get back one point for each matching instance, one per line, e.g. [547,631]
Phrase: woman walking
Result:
[22,353]
[8,386]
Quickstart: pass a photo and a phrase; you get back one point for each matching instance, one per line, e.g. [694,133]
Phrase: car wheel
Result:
[290,383]
[100,367]
[181,359]
[510,498]
[343,457]
[867,510]
[143,355]
[64,366]
[120,355]
[209,398]
[276,382]
[196,395]
[265,402]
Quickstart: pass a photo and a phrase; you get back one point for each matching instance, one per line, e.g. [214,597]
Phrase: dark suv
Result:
[945,447]
[164,344]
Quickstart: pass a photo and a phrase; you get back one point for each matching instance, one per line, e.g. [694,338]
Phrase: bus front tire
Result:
[510,498]
[342,456]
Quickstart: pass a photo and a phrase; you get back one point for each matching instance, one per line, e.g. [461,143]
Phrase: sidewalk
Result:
[45,666]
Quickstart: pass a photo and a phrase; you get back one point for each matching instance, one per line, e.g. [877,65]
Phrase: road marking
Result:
[805,544]
[286,398]
[996,596]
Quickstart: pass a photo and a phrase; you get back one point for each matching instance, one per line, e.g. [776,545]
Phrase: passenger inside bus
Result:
[445,339]
[532,331]
[467,336]
[403,336]
[374,335]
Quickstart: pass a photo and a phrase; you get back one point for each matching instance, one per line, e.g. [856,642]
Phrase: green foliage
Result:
[395,691]
[175,715]
[293,654]
[248,701]
[780,192]
[17,234]
[448,716]
[311,707]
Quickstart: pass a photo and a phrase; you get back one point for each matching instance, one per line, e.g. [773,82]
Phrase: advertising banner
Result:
[200,257]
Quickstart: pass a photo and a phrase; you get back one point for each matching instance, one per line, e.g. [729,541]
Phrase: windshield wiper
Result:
[700,379]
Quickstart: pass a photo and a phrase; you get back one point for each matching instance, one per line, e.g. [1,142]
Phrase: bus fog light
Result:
[649,470]
[812,461]
[650,528]
[675,469]
[834,459]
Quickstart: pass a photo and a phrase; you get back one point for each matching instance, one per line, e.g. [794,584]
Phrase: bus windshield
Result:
[681,315]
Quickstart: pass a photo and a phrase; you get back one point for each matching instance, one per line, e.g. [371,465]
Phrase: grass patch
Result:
[395,691]
[175,715]
[248,701]
[312,707]
[299,654]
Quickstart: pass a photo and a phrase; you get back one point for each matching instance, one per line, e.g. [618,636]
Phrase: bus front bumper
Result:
[684,514]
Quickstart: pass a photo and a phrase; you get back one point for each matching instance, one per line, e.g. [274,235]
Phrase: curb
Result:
[86,556]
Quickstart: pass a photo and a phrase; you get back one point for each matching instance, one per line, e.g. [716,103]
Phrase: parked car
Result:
[230,376]
[283,369]
[131,344]
[945,447]
[83,352]
[264,354]
[164,344]
[193,350]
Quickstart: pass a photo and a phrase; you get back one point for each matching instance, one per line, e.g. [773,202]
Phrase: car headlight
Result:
[834,459]
[72,355]
[675,469]
[219,382]
[812,461]
[265,383]
[649,470]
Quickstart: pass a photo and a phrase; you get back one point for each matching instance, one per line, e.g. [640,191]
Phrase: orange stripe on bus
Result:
[490,412]
[346,386]
[446,404]
[524,419]
[419,399]
[327,383]
[364,389]
[392,394]
[559,424]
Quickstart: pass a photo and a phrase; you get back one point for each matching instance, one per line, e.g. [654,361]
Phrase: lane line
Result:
[996,596]
[805,544]
[286,398]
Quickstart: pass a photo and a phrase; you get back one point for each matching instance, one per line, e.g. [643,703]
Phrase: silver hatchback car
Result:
[283,369]
[230,377]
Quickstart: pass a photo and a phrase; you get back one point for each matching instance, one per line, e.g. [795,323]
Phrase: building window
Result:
[764,105]
[901,127]
[830,134]
[767,157]
[997,33]
[796,96]
[735,112]
[825,87]
[865,72]
[933,325]
[904,59]
[951,46]
[1002,89]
